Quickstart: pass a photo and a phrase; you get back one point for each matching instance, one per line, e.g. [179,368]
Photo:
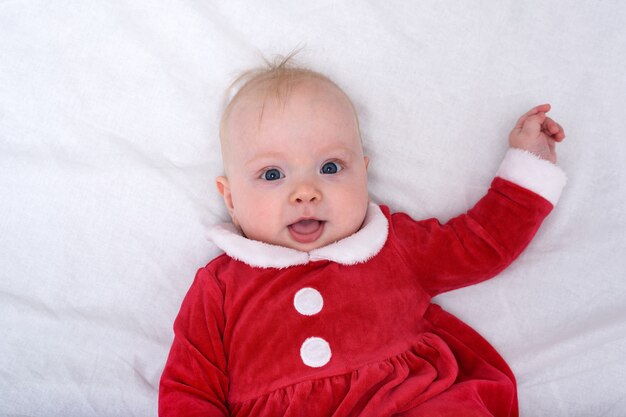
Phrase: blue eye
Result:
[331,168]
[272,174]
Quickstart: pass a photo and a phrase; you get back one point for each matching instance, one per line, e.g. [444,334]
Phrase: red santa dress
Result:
[349,329]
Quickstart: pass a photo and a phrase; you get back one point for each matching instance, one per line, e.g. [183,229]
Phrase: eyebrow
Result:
[339,152]
[264,156]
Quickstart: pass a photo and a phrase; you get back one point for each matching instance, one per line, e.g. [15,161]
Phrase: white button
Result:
[308,301]
[315,352]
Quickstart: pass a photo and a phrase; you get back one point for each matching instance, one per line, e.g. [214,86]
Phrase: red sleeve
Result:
[194,381]
[474,246]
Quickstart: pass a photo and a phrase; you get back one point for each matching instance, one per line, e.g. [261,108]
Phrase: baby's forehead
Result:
[263,104]
[260,102]
[258,98]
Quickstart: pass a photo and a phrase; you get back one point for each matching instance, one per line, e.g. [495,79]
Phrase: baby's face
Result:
[296,175]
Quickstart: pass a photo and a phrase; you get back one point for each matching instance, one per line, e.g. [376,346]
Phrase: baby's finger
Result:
[553,129]
[543,108]
[534,123]
[532,126]
[550,126]
[560,135]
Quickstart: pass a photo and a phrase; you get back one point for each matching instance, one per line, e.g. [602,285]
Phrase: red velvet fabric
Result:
[238,336]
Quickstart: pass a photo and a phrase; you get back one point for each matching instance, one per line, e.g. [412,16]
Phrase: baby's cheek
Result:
[259,219]
[354,193]
[352,207]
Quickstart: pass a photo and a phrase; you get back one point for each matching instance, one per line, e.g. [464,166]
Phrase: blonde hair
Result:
[279,77]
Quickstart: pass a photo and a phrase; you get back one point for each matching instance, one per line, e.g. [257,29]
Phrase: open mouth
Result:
[307,230]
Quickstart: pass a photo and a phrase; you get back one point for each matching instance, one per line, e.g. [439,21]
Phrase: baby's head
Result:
[295,171]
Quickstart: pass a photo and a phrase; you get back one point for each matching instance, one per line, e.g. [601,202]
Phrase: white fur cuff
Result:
[533,173]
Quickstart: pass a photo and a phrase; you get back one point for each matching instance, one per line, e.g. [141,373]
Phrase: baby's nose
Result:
[306,193]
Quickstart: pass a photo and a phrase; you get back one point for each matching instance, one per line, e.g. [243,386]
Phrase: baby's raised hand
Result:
[537,133]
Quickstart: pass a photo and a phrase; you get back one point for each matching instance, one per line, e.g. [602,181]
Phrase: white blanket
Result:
[109,148]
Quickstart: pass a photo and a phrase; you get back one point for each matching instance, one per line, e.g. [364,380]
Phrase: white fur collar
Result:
[354,249]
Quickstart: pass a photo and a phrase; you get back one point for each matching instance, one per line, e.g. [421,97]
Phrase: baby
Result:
[320,305]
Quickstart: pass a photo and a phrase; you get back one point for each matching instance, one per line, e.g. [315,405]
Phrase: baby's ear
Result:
[224,189]
[367,162]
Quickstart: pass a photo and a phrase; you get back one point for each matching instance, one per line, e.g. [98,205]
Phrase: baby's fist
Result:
[537,133]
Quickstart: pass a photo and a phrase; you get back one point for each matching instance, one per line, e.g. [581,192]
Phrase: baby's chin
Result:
[286,241]
[307,247]
[290,243]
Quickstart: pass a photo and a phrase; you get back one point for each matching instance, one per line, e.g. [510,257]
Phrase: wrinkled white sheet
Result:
[109,150]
